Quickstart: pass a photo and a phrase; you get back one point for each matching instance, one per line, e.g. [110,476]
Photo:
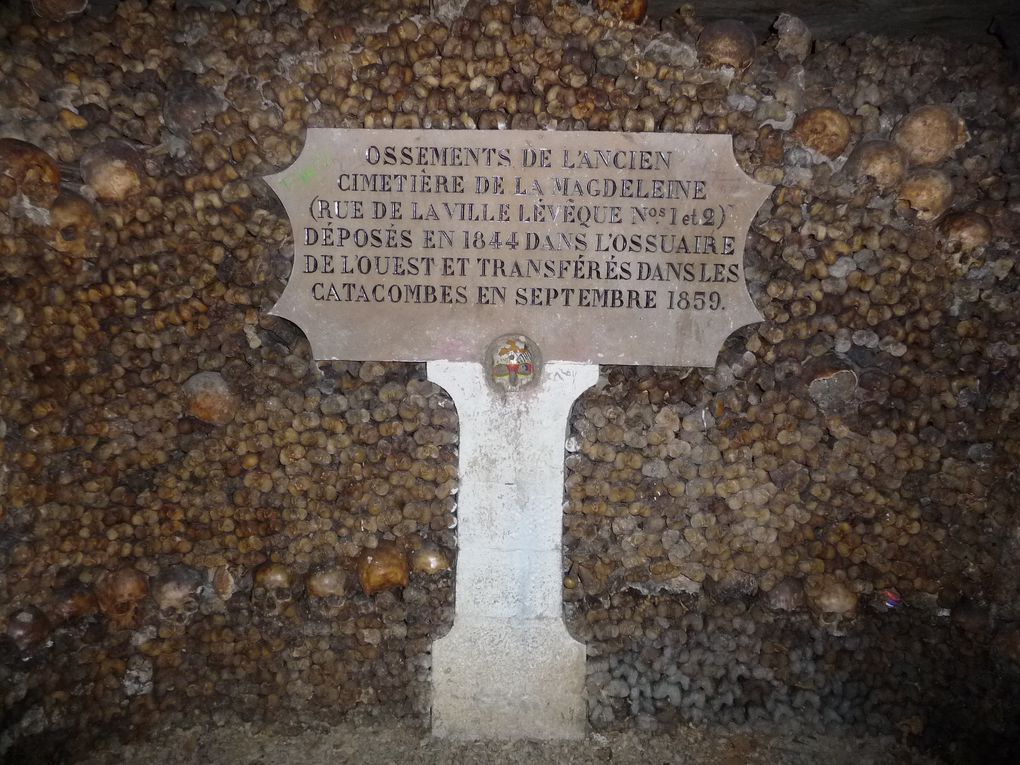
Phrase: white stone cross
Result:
[508,668]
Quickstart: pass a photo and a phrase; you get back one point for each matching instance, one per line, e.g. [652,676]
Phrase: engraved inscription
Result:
[417,245]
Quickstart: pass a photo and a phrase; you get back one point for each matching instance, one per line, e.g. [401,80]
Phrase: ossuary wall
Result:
[197,518]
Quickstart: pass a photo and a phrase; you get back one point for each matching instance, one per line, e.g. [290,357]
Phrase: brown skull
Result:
[727,43]
[227,581]
[272,593]
[430,559]
[74,226]
[382,568]
[881,161]
[626,10]
[964,232]
[930,134]
[825,130]
[928,193]
[120,594]
[208,398]
[28,170]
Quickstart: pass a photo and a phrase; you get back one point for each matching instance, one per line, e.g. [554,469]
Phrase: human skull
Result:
[928,193]
[73,225]
[208,397]
[513,362]
[28,170]
[963,232]
[730,586]
[188,104]
[881,161]
[824,130]
[930,134]
[787,595]
[120,594]
[383,568]
[28,628]
[113,169]
[626,10]
[176,593]
[227,581]
[430,559]
[727,42]
[832,388]
[272,593]
[327,592]
[833,605]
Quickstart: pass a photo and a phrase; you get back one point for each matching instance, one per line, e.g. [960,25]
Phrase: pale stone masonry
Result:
[508,668]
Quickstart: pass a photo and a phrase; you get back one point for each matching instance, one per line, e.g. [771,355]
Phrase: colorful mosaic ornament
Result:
[513,362]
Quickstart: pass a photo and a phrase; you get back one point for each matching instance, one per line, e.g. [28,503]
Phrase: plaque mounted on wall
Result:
[615,248]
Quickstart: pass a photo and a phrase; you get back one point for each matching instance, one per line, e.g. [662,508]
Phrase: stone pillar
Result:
[508,668]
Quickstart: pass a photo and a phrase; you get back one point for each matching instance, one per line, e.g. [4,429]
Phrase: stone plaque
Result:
[613,248]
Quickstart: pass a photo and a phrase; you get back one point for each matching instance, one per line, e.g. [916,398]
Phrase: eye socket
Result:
[501,370]
[526,368]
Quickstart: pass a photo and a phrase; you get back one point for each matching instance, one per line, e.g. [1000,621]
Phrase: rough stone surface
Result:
[371,742]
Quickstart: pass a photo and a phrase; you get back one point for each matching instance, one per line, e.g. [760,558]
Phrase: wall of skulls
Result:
[194,515]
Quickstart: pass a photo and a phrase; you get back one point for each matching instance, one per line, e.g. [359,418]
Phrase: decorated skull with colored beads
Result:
[514,362]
